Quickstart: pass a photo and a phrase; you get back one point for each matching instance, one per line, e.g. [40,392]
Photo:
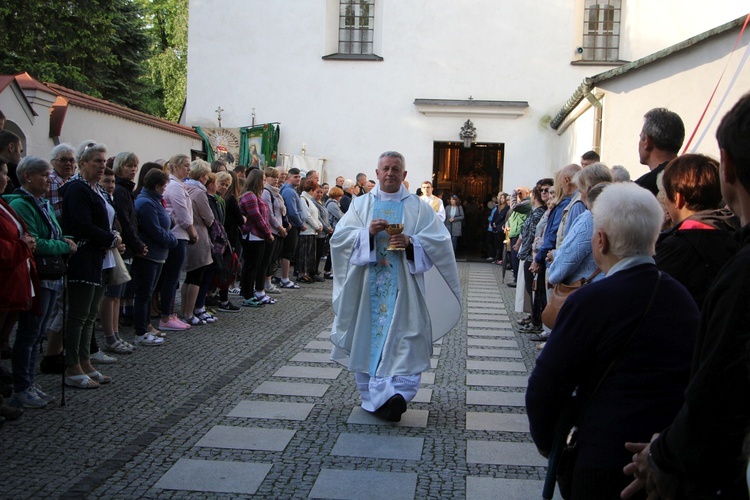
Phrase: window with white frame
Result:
[356,26]
[601,30]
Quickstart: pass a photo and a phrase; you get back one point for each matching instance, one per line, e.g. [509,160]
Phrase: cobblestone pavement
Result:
[251,407]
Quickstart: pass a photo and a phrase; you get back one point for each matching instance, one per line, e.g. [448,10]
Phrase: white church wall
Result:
[148,143]
[682,83]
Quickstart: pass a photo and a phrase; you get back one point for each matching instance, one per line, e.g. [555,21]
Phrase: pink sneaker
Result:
[177,318]
[173,325]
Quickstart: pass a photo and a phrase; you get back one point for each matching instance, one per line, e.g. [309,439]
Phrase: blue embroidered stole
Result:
[383,281]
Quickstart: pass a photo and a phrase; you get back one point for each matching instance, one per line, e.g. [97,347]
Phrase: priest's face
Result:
[390,173]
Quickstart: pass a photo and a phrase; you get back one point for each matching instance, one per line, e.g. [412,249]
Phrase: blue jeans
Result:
[170,276]
[29,332]
[145,275]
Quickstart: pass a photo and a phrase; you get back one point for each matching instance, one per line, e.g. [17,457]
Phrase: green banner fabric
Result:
[259,145]
[206,144]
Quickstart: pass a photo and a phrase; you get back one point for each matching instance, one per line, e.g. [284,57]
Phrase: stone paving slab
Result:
[428,378]
[324,335]
[490,309]
[412,418]
[424,395]
[503,318]
[502,366]
[312,357]
[503,422]
[479,488]
[291,389]
[497,380]
[479,304]
[491,342]
[502,453]
[494,398]
[489,324]
[246,438]
[276,410]
[436,350]
[364,485]
[494,353]
[473,332]
[319,345]
[433,363]
[376,446]
[214,476]
[308,372]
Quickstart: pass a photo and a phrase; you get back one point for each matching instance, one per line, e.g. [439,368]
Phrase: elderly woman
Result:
[154,230]
[629,365]
[180,209]
[276,218]
[574,259]
[198,259]
[454,219]
[701,240]
[87,217]
[525,244]
[29,203]
[321,239]
[333,205]
[256,234]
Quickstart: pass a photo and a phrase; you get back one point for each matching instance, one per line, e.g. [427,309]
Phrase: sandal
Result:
[251,302]
[266,300]
[98,377]
[81,382]
[288,284]
[153,331]
[306,279]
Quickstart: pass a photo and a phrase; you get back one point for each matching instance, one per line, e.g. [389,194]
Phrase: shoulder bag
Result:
[559,294]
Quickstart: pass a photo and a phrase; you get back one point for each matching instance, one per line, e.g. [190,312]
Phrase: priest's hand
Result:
[377,225]
[399,240]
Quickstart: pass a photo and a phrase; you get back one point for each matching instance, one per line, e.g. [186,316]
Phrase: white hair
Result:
[348,184]
[87,149]
[61,149]
[592,175]
[631,218]
[620,173]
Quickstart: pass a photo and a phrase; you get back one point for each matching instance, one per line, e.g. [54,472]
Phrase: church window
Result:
[601,30]
[356,26]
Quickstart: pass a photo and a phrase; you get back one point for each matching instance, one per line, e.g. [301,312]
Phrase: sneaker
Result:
[206,316]
[148,340]
[271,289]
[26,399]
[318,278]
[328,275]
[117,347]
[540,346]
[173,325]
[539,338]
[235,291]
[525,321]
[43,395]
[530,328]
[193,321]
[127,344]
[229,307]
[251,302]
[102,358]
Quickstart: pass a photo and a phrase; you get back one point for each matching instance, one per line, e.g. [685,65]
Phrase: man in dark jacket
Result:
[699,455]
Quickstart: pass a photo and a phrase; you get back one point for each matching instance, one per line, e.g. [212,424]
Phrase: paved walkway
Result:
[252,407]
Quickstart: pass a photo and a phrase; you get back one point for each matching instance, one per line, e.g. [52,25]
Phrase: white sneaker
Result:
[235,291]
[102,358]
[148,340]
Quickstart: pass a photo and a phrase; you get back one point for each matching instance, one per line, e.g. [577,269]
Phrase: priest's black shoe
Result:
[392,410]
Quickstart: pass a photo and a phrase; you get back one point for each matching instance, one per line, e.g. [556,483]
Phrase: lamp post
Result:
[468,133]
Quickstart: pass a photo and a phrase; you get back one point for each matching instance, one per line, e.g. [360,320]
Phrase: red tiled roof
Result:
[6,80]
[88,102]
[26,81]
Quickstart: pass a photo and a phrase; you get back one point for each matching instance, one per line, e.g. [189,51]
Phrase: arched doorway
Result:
[475,174]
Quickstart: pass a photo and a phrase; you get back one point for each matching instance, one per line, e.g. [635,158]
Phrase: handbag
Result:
[556,300]
[50,267]
[118,274]
[562,457]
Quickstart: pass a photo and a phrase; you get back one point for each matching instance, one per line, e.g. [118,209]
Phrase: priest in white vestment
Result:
[432,200]
[391,305]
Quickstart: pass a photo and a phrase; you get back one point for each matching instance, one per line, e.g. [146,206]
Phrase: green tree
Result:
[99,47]
[168,23]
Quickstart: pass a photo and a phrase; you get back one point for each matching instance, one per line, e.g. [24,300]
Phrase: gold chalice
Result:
[394,229]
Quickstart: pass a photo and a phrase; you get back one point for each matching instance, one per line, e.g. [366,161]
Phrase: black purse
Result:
[50,267]
[562,457]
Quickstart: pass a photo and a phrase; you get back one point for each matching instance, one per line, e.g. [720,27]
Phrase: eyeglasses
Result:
[545,190]
[64,160]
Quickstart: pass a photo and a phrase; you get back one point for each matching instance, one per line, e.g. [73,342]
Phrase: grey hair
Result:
[122,159]
[61,149]
[665,128]
[348,184]
[87,149]
[392,154]
[199,168]
[620,173]
[31,165]
[591,176]
[631,218]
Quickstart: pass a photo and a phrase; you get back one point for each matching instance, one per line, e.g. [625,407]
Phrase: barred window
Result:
[356,26]
[601,30]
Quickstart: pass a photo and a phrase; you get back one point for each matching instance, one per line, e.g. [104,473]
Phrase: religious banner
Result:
[221,144]
[305,164]
[259,145]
